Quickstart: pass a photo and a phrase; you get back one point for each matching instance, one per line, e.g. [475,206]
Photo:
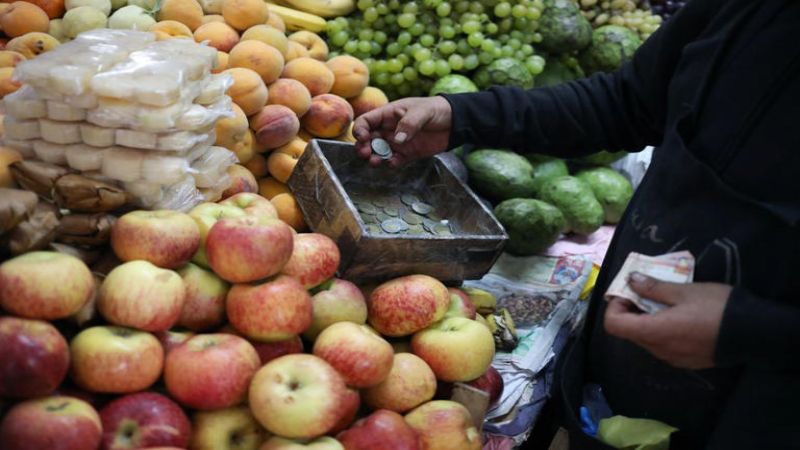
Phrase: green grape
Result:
[537,37]
[492,28]
[471,62]
[380,66]
[391,19]
[503,38]
[410,73]
[516,34]
[456,62]
[403,58]
[497,53]
[475,39]
[366,34]
[376,48]
[444,10]
[394,4]
[432,3]
[447,47]
[507,51]
[533,14]
[428,19]
[394,65]
[417,29]
[380,24]
[362,4]
[422,54]
[464,47]
[406,20]
[410,8]
[335,54]
[397,79]
[471,27]
[521,23]
[427,40]
[485,58]
[404,90]
[462,6]
[371,14]
[340,38]
[447,31]
[382,78]
[351,47]
[538,4]
[427,67]
[514,43]
[442,68]
[431,29]
[519,55]
[380,37]
[518,11]
[404,38]
[502,9]
[535,64]
[506,25]
[487,45]
[332,27]
[476,7]
[527,49]
[394,48]
[364,46]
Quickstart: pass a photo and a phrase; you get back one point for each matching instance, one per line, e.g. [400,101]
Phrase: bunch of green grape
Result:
[633,14]
[408,45]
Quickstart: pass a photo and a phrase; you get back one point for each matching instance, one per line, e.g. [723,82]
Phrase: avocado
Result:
[500,174]
[611,189]
[576,201]
[544,168]
[603,158]
[504,72]
[563,28]
[532,225]
[611,47]
[559,70]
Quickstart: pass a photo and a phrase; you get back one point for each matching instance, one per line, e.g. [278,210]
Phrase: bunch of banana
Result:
[322,8]
[485,302]
[296,20]
[503,329]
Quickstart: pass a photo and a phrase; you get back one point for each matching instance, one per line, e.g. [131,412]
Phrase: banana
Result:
[485,302]
[502,327]
[298,20]
[322,8]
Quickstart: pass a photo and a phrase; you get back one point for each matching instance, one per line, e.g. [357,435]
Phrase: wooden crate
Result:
[318,184]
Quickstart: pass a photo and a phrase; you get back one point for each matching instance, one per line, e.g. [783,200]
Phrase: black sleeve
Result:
[758,331]
[624,110]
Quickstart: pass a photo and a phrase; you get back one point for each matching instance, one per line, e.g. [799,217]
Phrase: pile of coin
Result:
[398,213]
[381,148]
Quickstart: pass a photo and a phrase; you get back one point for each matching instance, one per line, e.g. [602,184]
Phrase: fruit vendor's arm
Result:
[622,110]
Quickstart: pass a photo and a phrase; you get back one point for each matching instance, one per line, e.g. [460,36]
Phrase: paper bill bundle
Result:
[672,267]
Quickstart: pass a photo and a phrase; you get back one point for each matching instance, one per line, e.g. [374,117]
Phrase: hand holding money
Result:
[672,267]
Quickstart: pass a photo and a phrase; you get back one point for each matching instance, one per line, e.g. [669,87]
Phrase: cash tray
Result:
[319,182]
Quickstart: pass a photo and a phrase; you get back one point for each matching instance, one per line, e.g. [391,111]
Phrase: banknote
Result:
[673,267]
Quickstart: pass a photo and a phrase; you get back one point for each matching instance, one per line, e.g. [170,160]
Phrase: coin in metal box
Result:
[422,208]
[394,226]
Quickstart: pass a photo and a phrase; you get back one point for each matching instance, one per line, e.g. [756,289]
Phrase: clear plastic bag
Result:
[211,167]
[25,104]
[21,129]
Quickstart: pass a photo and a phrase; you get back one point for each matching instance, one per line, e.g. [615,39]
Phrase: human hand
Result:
[415,128]
[684,334]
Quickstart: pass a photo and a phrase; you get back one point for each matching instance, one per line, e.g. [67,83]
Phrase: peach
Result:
[275,125]
[22,18]
[244,148]
[282,161]
[316,46]
[276,21]
[242,181]
[32,44]
[7,157]
[270,187]
[231,130]
[257,147]
[187,12]
[7,85]
[371,98]
[313,74]
[289,211]
[170,29]
[243,14]
[328,117]
[213,18]
[218,34]
[248,90]
[305,135]
[264,59]
[351,76]
[268,35]
[222,62]
[295,50]
[290,93]
[258,166]
[10,59]
[53,8]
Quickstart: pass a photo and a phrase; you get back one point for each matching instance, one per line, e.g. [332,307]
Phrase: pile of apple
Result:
[209,354]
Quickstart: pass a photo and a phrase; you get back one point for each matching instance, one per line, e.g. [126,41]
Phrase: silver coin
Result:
[380,202]
[409,199]
[394,226]
[442,230]
[392,211]
[416,230]
[381,216]
[373,229]
[368,218]
[367,208]
[422,208]
[411,218]
[381,148]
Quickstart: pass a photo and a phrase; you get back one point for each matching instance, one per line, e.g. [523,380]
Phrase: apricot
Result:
[53,8]
[270,187]
[231,130]
[242,180]
[268,35]
[275,125]
[218,34]
[7,157]
[171,29]
[32,44]
[10,59]
[83,18]
[314,74]
[276,21]
[368,100]
[244,148]
[21,18]
[243,14]
[290,93]
[281,161]
[305,135]
[315,45]
[7,85]
[289,211]
[222,62]
[350,76]
[187,12]
[295,50]
[213,18]
[102,5]
[211,7]
[328,117]
[258,165]
[264,59]
[248,90]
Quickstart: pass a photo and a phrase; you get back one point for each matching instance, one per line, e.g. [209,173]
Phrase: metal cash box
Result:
[328,170]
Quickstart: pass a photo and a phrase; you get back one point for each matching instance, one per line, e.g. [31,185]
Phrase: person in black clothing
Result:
[717,91]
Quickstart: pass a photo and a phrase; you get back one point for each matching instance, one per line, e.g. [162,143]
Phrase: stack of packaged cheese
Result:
[120,107]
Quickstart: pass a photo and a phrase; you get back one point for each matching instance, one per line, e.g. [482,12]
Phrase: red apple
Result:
[140,295]
[252,204]
[322,443]
[35,358]
[342,301]
[205,215]
[45,285]
[352,402]
[408,304]
[460,305]
[363,358]
[410,383]
[276,310]
[165,238]
[170,339]
[490,382]
[444,425]
[144,420]
[89,310]
[456,349]
[115,359]
[210,371]
[298,396]
[381,430]
[267,351]
[66,389]
[204,305]
[63,423]
[245,249]
[315,258]
[232,428]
